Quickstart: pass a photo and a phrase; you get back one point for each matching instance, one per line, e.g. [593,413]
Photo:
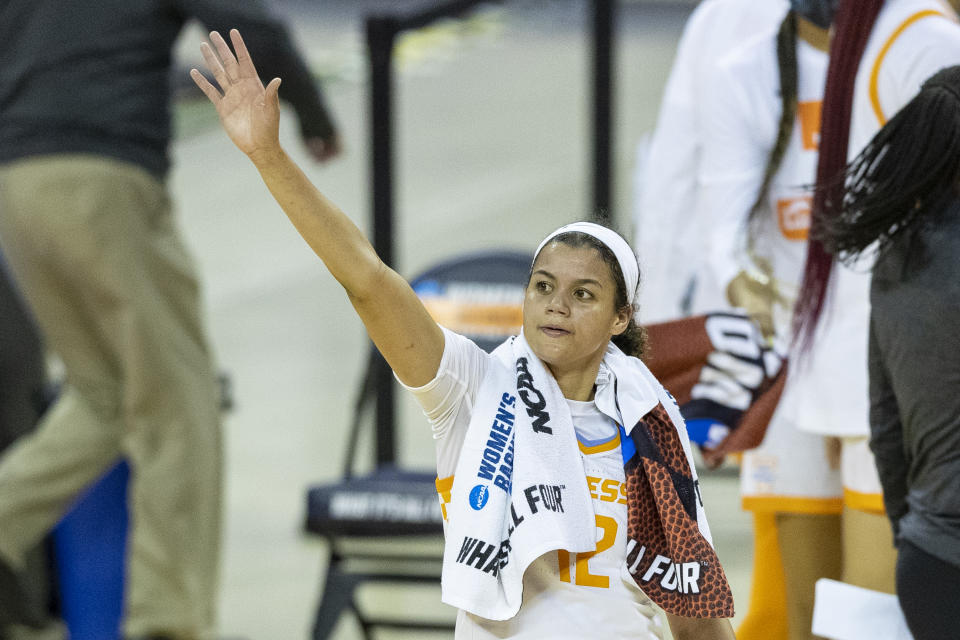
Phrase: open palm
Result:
[250,113]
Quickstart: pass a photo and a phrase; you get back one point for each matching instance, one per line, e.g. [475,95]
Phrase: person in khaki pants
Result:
[87,228]
[116,297]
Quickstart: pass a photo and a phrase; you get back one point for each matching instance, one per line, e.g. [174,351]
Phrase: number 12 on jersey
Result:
[581,574]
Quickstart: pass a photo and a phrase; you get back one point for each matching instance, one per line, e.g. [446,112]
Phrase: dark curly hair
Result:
[787,66]
[633,340]
[905,176]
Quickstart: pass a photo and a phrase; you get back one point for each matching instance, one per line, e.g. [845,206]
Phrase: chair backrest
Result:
[479,295]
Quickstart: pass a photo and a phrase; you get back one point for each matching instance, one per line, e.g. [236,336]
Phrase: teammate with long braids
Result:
[901,199]
[880,55]
[760,146]
[666,177]
[780,476]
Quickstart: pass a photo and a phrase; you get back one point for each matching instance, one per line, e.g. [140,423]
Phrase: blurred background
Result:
[492,149]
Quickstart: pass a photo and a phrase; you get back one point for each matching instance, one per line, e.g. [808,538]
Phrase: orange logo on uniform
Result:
[794,217]
[809,115]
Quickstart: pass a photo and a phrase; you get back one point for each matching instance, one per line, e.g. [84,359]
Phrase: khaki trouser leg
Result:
[869,557]
[41,475]
[812,551]
[94,247]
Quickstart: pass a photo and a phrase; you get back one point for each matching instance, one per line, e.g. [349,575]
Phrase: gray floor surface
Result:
[492,151]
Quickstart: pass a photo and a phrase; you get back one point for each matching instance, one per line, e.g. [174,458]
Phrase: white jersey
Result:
[742,128]
[788,471]
[565,596]
[666,182]
[911,40]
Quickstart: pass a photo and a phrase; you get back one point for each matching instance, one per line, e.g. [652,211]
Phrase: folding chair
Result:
[478,295]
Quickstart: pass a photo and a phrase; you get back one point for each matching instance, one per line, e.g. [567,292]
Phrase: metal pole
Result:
[381,31]
[602,139]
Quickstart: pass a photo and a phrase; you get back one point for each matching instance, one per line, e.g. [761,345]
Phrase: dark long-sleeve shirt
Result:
[915,386]
[82,76]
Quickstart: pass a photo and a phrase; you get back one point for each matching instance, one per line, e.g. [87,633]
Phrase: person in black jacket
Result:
[86,226]
[902,202]
[24,596]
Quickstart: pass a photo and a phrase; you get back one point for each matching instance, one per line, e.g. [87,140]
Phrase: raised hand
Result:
[249,113]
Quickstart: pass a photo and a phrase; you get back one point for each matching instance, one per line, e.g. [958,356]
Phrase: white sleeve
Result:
[924,48]
[447,400]
[736,144]
[667,183]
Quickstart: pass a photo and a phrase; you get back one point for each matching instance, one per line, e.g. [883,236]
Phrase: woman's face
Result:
[569,309]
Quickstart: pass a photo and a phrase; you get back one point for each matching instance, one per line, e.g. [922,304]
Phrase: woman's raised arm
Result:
[396,320]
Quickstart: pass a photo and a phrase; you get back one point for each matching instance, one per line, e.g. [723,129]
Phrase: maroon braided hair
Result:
[852,26]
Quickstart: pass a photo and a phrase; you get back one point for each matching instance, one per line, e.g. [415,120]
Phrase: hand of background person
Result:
[323,149]
[713,458]
[755,292]
[249,113]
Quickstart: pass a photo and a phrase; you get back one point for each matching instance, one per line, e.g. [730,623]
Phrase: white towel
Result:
[846,612]
[519,490]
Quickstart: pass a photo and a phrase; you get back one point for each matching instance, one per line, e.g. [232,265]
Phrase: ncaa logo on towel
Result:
[479,496]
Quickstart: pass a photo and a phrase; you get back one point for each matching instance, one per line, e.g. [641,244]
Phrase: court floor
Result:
[492,151]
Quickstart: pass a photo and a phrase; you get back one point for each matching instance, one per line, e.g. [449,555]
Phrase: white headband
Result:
[613,241]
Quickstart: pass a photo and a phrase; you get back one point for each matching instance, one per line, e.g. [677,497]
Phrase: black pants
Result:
[929,593]
[24,596]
